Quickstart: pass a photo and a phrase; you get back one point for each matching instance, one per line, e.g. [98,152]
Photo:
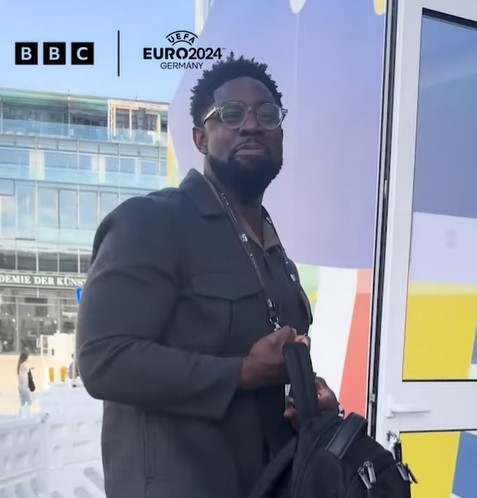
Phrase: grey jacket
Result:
[170,306]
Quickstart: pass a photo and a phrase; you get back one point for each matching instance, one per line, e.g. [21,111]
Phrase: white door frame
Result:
[409,406]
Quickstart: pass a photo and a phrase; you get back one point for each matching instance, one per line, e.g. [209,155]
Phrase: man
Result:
[188,303]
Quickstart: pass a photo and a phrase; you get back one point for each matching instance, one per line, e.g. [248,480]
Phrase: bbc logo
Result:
[54,53]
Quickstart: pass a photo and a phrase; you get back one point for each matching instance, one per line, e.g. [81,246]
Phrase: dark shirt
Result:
[170,306]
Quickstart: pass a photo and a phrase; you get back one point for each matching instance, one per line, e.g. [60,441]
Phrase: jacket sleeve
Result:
[129,297]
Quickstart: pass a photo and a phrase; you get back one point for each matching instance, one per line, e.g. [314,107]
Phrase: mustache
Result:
[251,141]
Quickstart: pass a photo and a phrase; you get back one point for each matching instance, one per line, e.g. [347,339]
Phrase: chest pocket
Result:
[229,311]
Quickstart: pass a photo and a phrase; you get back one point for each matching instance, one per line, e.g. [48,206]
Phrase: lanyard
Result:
[273,316]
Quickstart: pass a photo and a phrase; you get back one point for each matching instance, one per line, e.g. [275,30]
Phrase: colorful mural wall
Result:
[327,60]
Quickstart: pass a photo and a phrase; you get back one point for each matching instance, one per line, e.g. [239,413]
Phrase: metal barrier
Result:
[55,454]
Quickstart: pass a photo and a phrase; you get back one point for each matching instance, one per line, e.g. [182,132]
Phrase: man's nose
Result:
[251,124]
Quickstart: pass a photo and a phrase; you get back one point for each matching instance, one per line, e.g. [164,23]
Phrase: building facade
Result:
[65,162]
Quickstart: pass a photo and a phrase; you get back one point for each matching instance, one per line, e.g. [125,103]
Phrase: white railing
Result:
[22,458]
[55,454]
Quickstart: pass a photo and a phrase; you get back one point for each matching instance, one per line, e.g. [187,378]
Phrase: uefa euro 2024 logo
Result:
[182,54]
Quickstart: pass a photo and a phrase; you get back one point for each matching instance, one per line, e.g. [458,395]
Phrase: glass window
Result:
[7,260]
[108,202]
[6,187]
[68,262]
[7,216]
[163,166]
[163,123]
[440,310]
[84,262]
[36,316]
[8,322]
[90,147]
[122,118]
[55,117]
[14,156]
[146,151]
[60,160]
[85,162]
[88,212]
[64,145]
[26,261]
[148,168]
[138,119]
[49,143]
[22,142]
[129,150]
[48,261]
[12,112]
[109,148]
[112,164]
[68,209]
[151,121]
[88,119]
[47,207]
[127,165]
[25,211]
[69,315]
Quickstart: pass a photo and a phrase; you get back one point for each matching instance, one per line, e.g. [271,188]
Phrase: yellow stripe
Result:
[171,163]
[379,7]
[448,289]
[312,297]
[440,334]
[432,457]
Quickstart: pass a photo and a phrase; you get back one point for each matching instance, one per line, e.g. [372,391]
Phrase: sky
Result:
[141,23]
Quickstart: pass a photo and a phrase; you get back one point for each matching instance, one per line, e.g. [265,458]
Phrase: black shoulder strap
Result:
[302,379]
[274,470]
[343,438]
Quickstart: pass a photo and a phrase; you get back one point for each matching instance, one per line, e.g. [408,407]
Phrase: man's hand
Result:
[302,339]
[326,400]
[265,365]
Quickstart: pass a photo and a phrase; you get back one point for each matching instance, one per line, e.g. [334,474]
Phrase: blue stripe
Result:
[474,352]
[465,477]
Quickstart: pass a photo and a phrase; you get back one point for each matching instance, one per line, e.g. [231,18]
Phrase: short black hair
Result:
[229,69]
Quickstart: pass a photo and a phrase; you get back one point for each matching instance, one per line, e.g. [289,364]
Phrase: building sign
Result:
[35,280]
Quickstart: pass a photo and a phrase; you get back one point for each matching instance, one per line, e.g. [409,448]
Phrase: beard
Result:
[247,182]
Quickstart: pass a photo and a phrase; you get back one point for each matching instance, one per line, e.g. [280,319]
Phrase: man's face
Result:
[248,158]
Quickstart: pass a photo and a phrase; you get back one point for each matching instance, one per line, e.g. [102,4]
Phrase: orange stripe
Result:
[354,381]
[364,281]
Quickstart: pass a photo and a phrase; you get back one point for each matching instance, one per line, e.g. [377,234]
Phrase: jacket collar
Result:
[202,192]
[198,189]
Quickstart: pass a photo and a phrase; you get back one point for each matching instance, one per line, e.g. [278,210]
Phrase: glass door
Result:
[423,383]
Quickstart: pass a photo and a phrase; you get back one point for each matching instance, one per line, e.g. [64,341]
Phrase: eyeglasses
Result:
[234,114]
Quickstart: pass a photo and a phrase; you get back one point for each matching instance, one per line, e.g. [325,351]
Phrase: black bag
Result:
[331,457]
[31,383]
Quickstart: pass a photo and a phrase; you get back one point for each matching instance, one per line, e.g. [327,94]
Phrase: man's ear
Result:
[200,139]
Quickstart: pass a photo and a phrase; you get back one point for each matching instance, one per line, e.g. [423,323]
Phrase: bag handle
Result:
[302,379]
[344,437]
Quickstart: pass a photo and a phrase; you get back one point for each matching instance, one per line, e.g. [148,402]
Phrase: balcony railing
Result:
[81,132]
